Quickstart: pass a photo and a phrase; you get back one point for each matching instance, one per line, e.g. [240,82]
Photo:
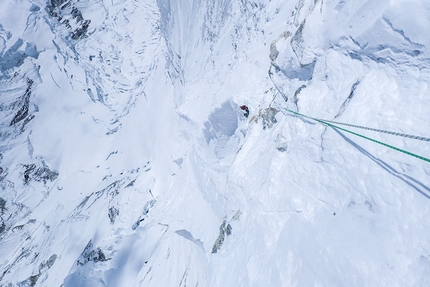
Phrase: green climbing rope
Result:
[382,131]
[328,123]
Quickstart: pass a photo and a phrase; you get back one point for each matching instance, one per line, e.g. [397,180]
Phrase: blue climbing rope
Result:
[382,131]
[331,124]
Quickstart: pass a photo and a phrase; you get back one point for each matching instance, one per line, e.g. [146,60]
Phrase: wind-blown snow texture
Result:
[126,161]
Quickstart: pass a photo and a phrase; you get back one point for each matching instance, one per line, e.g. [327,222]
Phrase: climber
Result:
[246,110]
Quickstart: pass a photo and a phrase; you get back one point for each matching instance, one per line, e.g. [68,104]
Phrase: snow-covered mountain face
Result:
[126,160]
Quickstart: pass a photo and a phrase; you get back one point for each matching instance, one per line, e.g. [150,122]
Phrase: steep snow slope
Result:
[126,161]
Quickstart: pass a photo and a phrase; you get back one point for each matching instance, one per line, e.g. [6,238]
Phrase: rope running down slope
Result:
[330,124]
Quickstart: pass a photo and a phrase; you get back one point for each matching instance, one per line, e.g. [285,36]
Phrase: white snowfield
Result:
[126,160]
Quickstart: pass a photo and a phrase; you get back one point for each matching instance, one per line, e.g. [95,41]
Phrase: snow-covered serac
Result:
[125,159]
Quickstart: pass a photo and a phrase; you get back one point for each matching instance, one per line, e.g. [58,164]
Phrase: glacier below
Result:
[125,159]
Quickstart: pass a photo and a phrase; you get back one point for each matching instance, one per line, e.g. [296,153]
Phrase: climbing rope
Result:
[330,124]
[383,131]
